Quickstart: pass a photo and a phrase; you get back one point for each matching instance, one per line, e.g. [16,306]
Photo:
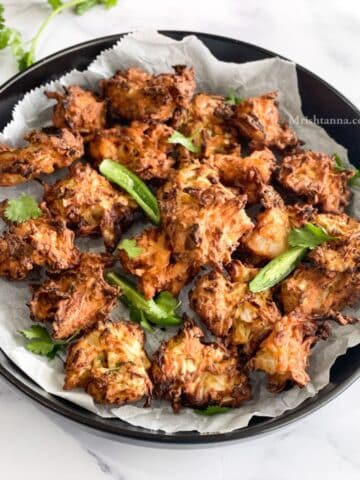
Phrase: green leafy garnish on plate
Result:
[212,410]
[186,142]
[300,240]
[40,342]
[233,98]
[354,181]
[22,209]
[130,247]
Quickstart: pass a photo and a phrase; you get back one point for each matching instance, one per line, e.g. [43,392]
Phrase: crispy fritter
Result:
[249,173]
[283,355]
[141,147]
[136,95]
[342,254]
[46,151]
[155,267]
[270,235]
[44,241]
[186,371]
[208,120]
[203,219]
[89,204]
[79,110]
[75,299]
[230,310]
[315,290]
[258,119]
[314,177]
[110,363]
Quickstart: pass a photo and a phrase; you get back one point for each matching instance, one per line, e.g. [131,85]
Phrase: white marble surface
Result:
[35,444]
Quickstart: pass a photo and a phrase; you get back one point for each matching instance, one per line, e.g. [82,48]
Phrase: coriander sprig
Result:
[131,248]
[41,343]
[12,38]
[21,209]
[186,142]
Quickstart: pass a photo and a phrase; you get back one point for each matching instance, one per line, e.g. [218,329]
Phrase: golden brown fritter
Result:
[75,299]
[78,109]
[230,310]
[110,363]
[342,254]
[314,177]
[203,219]
[269,238]
[44,241]
[258,119]
[141,147]
[283,355]
[249,173]
[89,204]
[136,95]
[155,267]
[315,290]
[186,371]
[208,120]
[47,150]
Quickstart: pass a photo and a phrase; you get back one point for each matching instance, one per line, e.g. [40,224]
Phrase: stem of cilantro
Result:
[30,57]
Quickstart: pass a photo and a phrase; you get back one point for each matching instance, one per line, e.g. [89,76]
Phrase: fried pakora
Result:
[89,204]
[258,119]
[314,177]
[343,253]
[136,95]
[47,150]
[207,120]
[76,299]
[284,354]
[141,147]
[188,372]
[249,173]
[318,291]
[78,109]
[110,363]
[203,219]
[230,310]
[155,267]
[44,241]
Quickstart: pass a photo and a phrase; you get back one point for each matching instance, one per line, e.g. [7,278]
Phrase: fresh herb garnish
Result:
[354,181]
[232,98]
[22,209]
[339,164]
[130,247]
[40,342]
[212,410]
[160,311]
[309,236]
[134,186]
[10,37]
[300,240]
[186,142]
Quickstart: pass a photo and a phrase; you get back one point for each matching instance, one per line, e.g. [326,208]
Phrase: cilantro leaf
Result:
[130,247]
[309,236]
[232,98]
[212,410]
[41,342]
[355,180]
[167,302]
[86,5]
[10,37]
[186,142]
[55,4]
[22,209]
[138,316]
[339,164]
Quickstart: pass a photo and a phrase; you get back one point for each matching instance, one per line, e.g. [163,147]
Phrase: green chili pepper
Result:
[212,410]
[142,310]
[134,186]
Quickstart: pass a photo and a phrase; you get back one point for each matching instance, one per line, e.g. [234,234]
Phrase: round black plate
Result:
[318,99]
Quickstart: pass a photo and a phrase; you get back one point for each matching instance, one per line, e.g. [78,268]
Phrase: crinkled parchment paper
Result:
[156,53]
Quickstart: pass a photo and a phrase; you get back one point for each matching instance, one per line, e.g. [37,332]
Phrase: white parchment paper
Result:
[156,54]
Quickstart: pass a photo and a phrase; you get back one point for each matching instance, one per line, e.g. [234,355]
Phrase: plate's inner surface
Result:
[318,99]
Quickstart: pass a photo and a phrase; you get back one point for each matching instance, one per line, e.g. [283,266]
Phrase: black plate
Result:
[318,99]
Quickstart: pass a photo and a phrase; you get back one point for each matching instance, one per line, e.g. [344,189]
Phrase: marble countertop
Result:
[322,36]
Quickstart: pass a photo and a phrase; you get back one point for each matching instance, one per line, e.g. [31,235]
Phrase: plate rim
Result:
[120,432]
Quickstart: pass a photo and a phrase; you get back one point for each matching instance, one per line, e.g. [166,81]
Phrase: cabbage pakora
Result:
[110,363]
[76,299]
